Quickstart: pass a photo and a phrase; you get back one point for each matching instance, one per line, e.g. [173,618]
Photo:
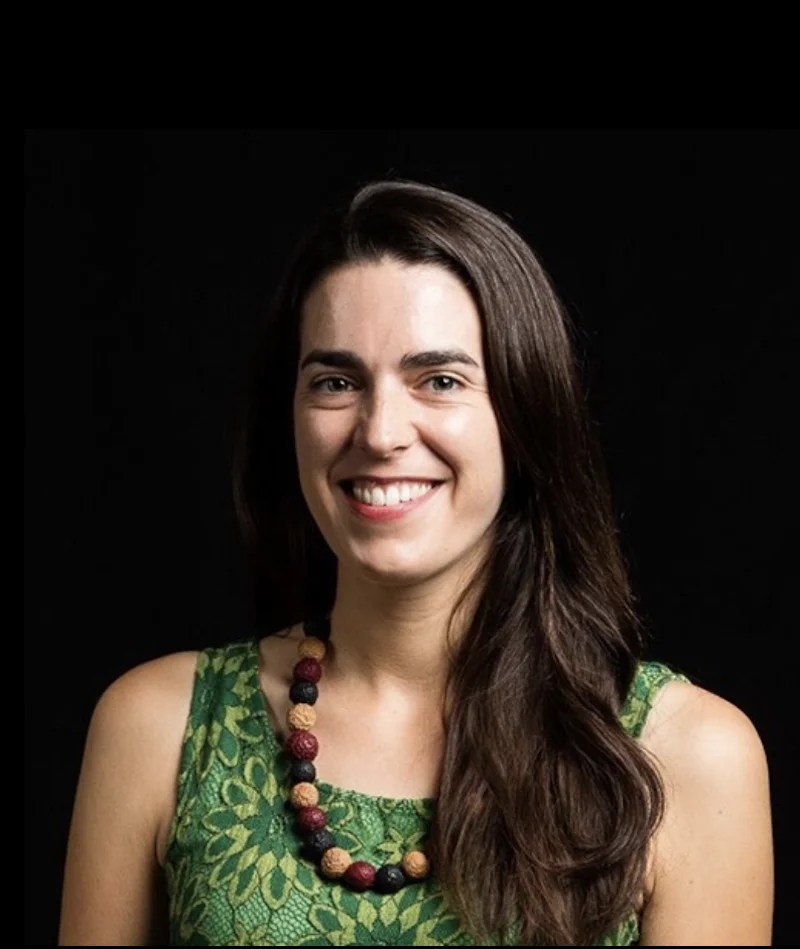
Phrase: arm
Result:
[713,866]
[113,891]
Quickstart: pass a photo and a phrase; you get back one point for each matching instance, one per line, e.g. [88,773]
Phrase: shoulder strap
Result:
[649,679]
[224,698]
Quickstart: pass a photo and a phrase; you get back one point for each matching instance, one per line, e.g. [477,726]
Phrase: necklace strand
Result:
[319,844]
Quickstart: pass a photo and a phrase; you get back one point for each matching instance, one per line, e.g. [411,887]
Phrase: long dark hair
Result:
[546,806]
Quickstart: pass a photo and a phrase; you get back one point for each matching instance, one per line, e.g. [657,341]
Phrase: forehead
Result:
[388,303]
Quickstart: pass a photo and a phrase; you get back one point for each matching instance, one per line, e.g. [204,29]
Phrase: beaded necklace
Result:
[319,844]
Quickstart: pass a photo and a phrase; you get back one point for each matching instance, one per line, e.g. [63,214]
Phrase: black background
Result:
[149,259]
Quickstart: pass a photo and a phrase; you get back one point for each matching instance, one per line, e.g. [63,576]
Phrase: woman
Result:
[453,739]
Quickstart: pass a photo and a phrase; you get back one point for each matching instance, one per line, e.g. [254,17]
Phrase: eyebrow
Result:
[347,359]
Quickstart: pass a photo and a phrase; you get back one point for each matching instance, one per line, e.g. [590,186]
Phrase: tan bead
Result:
[311,648]
[416,865]
[304,794]
[335,861]
[301,717]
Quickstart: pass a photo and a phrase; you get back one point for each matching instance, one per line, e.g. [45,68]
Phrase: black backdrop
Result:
[149,258]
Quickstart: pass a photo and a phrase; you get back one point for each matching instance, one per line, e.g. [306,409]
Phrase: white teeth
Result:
[389,495]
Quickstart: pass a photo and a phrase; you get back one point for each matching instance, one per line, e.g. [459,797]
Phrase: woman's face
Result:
[397,443]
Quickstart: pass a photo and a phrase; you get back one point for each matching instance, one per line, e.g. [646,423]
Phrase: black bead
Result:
[302,770]
[302,691]
[389,878]
[317,842]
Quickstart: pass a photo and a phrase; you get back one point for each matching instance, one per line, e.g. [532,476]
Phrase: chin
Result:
[393,575]
[398,571]
[393,567]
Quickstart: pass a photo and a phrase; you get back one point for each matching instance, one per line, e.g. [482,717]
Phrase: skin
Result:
[389,418]
[710,881]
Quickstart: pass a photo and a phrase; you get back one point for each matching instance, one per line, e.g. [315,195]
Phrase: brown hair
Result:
[546,805]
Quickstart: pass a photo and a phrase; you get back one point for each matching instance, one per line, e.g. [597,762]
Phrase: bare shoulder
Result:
[151,690]
[713,863]
[124,804]
[141,717]
[701,733]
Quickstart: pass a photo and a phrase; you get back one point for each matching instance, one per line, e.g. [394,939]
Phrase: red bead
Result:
[308,670]
[302,744]
[311,818]
[360,875]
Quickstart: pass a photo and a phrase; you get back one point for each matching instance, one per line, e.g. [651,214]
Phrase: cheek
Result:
[471,448]
[307,447]
[318,439]
[472,444]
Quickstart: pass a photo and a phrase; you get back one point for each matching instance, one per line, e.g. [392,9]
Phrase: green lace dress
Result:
[233,872]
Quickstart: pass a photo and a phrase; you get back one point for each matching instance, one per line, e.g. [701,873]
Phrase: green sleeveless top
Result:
[233,870]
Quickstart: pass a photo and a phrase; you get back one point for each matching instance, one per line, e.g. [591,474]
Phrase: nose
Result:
[385,422]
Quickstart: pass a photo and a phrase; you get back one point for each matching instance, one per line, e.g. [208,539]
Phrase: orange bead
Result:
[416,865]
[304,794]
[311,648]
[302,716]
[334,862]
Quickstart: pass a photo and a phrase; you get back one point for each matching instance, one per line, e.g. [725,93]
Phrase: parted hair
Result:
[546,806]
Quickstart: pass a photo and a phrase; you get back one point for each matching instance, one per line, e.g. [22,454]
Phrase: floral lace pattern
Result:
[234,874]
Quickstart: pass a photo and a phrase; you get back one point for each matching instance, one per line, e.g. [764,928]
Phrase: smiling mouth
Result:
[387,494]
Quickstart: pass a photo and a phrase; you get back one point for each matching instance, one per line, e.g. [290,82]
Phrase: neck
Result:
[393,637]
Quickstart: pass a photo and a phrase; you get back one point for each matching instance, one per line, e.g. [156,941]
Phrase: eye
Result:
[443,383]
[332,385]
